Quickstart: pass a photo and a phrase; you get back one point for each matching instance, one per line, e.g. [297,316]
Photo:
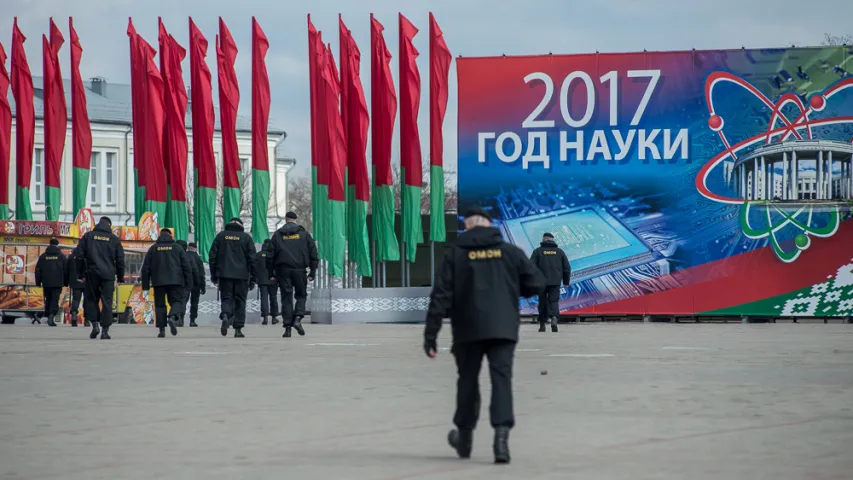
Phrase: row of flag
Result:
[339,128]
[160,145]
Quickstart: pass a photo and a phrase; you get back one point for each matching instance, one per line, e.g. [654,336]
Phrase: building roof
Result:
[115,106]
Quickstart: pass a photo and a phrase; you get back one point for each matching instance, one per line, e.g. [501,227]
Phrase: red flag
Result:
[55,119]
[137,94]
[439,69]
[25,123]
[383,105]
[80,128]
[343,60]
[336,135]
[229,98]
[410,99]
[153,116]
[358,118]
[5,136]
[319,132]
[260,98]
[175,100]
[313,75]
[203,116]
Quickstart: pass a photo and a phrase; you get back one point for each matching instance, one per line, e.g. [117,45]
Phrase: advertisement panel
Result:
[678,183]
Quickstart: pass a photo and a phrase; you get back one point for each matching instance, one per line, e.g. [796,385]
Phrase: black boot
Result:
[226,322]
[297,324]
[95,331]
[162,333]
[501,445]
[462,441]
[238,332]
[264,322]
[86,323]
[553,324]
[192,323]
[74,320]
[181,321]
[35,321]
[50,322]
[105,335]
[172,320]
[286,332]
[541,326]
[275,320]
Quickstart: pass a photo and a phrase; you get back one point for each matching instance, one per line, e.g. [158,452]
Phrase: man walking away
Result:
[480,281]
[232,268]
[50,276]
[76,286]
[554,264]
[292,250]
[193,278]
[267,286]
[199,284]
[167,268]
[101,261]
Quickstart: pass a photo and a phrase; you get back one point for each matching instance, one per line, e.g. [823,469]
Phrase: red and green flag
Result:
[175,134]
[410,142]
[337,148]
[137,94]
[356,123]
[229,98]
[153,120]
[5,136]
[260,122]
[204,161]
[55,121]
[383,108]
[25,124]
[319,140]
[439,70]
[81,133]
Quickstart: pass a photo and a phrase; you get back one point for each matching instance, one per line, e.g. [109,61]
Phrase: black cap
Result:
[54,241]
[164,231]
[547,235]
[191,245]
[477,211]
[267,241]
[290,215]
[107,220]
[182,243]
[236,220]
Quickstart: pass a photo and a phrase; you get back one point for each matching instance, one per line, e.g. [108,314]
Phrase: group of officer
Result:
[478,287]
[175,271]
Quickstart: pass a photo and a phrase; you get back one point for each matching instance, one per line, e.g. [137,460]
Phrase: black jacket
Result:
[292,248]
[71,277]
[198,281]
[101,254]
[166,264]
[232,255]
[480,281]
[264,273]
[50,268]
[553,262]
[193,267]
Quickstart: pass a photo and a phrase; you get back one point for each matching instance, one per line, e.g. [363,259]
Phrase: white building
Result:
[111,190]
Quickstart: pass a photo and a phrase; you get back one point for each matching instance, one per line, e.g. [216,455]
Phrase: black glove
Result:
[251,285]
[430,347]
[146,287]
[214,280]
[120,279]
[203,290]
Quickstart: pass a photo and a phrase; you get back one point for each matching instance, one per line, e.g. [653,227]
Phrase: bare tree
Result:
[837,40]
[299,194]
[245,195]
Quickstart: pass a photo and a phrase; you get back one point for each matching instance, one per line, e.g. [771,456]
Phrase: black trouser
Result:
[76,295]
[51,300]
[549,303]
[292,283]
[99,290]
[269,300]
[469,358]
[195,295]
[232,295]
[177,299]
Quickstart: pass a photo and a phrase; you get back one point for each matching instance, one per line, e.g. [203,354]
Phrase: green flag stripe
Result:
[337,237]
[232,203]
[180,219]
[384,236]
[81,189]
[437,231]
[260,205]
[53,203]
[412,229]
[4,211]
[23,208]
[204,224]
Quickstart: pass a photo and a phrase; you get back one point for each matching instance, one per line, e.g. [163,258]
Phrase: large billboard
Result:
[678,183]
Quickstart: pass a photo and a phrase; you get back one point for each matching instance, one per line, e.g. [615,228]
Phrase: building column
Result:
[785,192]
[819,171]
[755,179]
[742,181]
[829,185]
[795,176]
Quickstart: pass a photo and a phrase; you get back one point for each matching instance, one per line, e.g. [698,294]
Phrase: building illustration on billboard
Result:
[678,183]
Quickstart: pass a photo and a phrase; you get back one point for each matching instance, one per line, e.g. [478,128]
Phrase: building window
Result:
[38,176]
[245,170]
[102,179]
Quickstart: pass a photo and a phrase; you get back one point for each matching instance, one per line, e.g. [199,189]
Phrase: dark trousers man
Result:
[232,295]
[51,303]
[469,358]
[76,296]
[292,283]
[269,300]
[195,296]
[549,307]
[176,296]
[99,291]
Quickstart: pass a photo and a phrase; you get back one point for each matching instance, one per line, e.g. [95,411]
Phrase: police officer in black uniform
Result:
[292,250]
[50,276]
[193,279]
[267,286]
[232,268]
[199,285]
[75,284]
[167,268]
[554,263]
[479,284]
[101,261]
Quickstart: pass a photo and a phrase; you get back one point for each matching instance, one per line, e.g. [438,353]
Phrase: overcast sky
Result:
[471,28]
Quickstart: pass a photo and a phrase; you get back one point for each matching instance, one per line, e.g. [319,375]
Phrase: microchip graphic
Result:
[595,241]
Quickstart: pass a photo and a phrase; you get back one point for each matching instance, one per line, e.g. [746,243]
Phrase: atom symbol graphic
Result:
[811,221]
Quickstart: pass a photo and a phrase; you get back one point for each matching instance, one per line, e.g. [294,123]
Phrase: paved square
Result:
[619,401]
